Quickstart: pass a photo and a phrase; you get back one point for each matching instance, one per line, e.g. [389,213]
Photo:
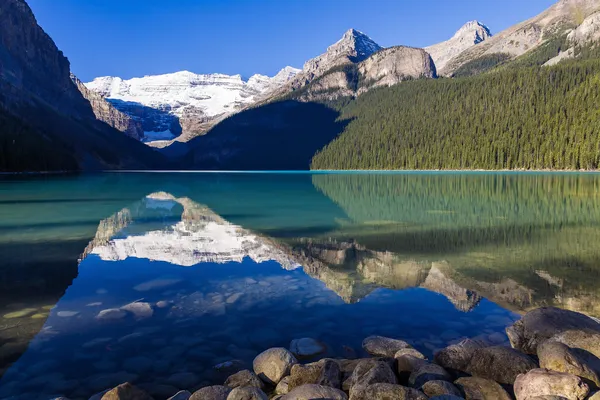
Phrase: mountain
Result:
[526,36]
[184,103]
[470,34]
[105,112]
[65,134]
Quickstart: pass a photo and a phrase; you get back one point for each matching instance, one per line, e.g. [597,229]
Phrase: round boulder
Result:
[383,346]
[428,372]
[458,356]
[369,372]
[387,391]
[410,352]
[500,364]
[273,364]
[586,340]
[559,357]
[439,388]
[247,393]
[481,389]
[541,324]
[211,393]
[543,382]
[126,391]
[315,392]
[244,378]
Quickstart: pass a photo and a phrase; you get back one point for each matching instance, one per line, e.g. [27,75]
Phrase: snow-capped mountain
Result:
[470,34]
[159,102]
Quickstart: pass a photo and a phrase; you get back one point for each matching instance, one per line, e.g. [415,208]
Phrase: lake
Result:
[176,280]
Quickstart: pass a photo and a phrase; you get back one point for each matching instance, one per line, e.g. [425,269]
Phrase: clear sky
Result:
[129,38]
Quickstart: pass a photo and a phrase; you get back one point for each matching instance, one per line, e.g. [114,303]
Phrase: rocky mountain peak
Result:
[474,30]
[469,35]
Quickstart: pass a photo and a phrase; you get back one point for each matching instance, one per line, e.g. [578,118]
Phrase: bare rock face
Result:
[588,31]
[105,112]
[501,364]
[481,389]
[559,357]
[393,65]
[543,323]
[470,34]
[542,382]
[352,48]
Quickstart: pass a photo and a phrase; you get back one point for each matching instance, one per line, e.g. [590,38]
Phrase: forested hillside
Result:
[509,118]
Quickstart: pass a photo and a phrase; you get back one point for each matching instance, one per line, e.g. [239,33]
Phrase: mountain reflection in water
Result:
[191,271]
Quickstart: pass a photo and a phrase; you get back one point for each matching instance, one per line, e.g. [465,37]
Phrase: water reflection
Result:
[183,279]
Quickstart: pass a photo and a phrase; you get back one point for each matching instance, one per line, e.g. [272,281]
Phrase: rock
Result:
[126,391]
[138,365]
[139,310]
[457,356]
[20,314]
[111,314]
[66,314]
[580,339]
[428,372]
[155,284]
[382,346]
[183,380]
[331,374]
[273,364]
[211,393]
[481,389]
[410,352]
[306,347]
[181,395]
[387,391]
[407,364]
[541,324]
[304,374]
[439,388]
[96,342]
[244,378]
[315,392]
[447,397]
[559,357]
[102,382]
[368,372]
[542,382]
[283,386]
[247,393]
[595,396]
[233,298]
[500,364]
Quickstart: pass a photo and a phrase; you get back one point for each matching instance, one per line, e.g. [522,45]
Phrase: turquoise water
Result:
[176,280]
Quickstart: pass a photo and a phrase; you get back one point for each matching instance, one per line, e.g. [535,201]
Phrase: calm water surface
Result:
[175,281]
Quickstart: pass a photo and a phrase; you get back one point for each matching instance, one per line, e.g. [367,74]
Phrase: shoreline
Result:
[554,352]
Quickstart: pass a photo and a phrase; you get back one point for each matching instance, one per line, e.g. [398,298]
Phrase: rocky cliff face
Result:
[394,65]
[184,103]
[104,111]
[526,36]
[470,34]
[35,80]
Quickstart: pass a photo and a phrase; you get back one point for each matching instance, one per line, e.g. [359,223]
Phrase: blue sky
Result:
[130,38]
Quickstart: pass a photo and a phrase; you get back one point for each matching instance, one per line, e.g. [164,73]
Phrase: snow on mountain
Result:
[200,236]
[168,96]
[470,34]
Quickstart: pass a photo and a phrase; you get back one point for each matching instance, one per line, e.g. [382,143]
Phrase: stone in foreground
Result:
[387,391]
[481,389]
[126,391]
[244,378]
[369,372]
[559,357]
[216,392]
[500,364]
[541,324]
[543,382]
[315,392]
[306,347]
[273,364]
[458,356]
[247,393]
[382,346]
[440,388]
